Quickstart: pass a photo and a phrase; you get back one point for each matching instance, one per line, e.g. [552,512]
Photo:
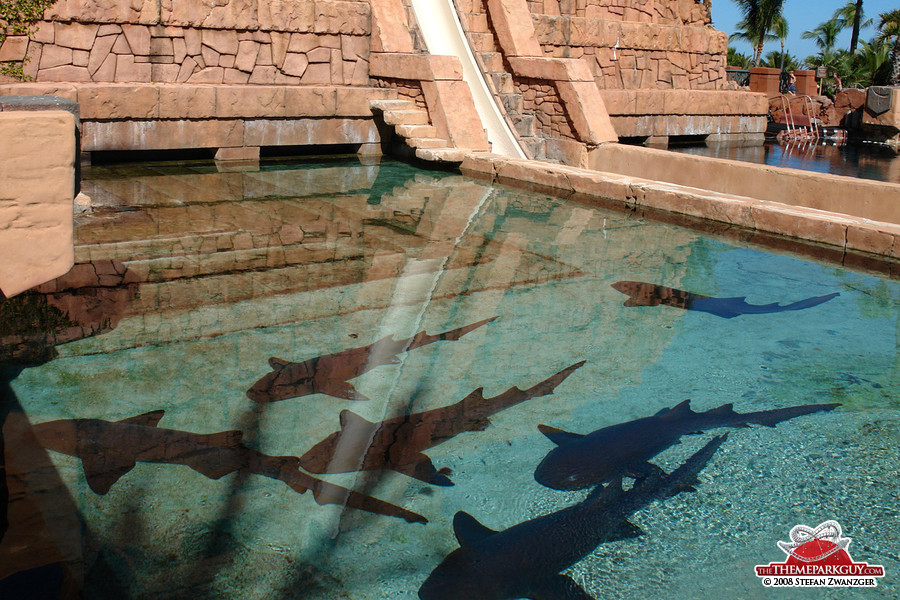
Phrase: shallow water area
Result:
[190,280]
[855,159]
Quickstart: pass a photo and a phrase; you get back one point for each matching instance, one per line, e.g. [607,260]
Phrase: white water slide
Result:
[444,35]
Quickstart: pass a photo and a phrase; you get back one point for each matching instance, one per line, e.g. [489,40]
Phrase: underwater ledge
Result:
[835,237]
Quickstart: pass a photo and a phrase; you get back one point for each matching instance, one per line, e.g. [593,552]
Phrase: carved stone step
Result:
[406,117]
[417,142]
[503,83]
[412,131]
[493,61]
[390,104]
[446,155]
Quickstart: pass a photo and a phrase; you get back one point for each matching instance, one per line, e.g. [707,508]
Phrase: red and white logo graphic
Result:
[818,558]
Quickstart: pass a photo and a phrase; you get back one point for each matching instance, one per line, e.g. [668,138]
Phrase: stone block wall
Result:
[636,55]
[661,12]
[321,42]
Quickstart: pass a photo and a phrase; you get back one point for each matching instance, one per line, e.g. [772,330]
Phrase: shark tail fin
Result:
[810,302]
[770,418]
[422,338]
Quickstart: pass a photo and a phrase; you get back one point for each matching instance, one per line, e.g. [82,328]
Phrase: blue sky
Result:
[801,16]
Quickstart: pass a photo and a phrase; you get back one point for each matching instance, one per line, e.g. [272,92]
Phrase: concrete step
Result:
[413,131]
[483,42]
[390,104]
[523,124]
[442,155]
[503,83]
[406,117]
[513,104]
[493,61]
[427,142]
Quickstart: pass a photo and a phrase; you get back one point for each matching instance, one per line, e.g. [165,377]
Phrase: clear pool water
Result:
[189,280]
[867,161]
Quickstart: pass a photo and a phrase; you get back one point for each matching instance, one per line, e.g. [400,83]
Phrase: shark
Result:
[398,444]
[581,461]
[329,374]
[110,449]
[648,294]
[526,560]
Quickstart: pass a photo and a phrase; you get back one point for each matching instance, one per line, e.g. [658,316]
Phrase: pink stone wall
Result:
[639,55]
[661,12]
[203,41]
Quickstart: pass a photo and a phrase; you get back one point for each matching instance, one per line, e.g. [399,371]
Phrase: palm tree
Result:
[757,23]
[825,35]
[851,15]
[889,32]
[781,60]
[736,59]
[780,31]
[872,66]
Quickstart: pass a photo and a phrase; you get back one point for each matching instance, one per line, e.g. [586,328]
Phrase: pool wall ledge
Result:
[37,189]
[845,232]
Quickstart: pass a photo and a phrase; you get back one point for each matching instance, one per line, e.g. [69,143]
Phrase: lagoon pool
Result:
[137,465]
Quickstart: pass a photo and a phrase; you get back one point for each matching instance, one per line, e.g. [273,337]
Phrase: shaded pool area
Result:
[261,384]
[867,161]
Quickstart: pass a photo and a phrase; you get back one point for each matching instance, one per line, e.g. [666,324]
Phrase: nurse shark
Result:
[109,449]
[329,374]
[581,461]
[525,560]
[398,443]
[648,294]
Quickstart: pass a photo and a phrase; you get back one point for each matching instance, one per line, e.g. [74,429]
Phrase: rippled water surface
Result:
[867,161]
[170,407]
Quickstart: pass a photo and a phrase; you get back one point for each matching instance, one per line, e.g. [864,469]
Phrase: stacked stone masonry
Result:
[231,42]
[632,55]
[661,12]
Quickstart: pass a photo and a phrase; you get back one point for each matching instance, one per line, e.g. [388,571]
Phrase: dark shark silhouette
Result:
[329,374]
[525,560]
[648,294]
[398,443]
[108,450]
[581,461]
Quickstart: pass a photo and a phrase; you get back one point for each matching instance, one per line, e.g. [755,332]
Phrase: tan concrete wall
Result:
[37,186]
[847,195]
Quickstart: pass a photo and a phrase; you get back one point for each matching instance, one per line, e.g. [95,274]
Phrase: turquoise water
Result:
[192,279]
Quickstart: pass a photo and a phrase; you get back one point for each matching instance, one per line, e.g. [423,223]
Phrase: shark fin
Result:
[558,587]
[341,389]
[102,471]
[350,419]
[468,530]
[625,530]
[680,410]
[632,302]
[420,467]
[150,419]
[558,436]
[278,363]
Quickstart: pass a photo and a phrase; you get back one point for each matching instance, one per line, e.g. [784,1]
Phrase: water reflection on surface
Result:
[135,464]
[867,161]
